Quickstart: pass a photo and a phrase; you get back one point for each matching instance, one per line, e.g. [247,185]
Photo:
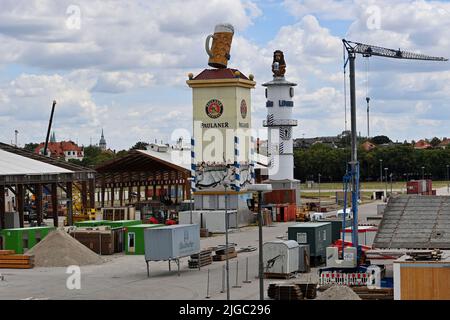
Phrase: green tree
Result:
[31,146]
[435,141]
[380,140]
[140,146]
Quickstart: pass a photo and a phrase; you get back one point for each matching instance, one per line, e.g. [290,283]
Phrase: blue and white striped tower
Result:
[193,166]
[252,159]
[237,165]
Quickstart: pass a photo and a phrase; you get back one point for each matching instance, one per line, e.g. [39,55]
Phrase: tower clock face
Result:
[214,108]
[243,109]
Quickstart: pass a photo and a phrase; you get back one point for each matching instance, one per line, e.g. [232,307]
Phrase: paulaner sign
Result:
[215,125]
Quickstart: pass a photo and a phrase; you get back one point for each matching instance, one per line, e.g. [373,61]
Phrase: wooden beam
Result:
[84,197]
[20,202]
[38,188]
[102,191]
[2,206]
[10,188]
[91,193]
[69,203]
[55,203]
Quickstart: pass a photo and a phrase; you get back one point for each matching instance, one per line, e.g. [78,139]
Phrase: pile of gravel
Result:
[338,292]
[59,249]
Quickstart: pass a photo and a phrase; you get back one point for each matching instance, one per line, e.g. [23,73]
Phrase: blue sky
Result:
[124,66]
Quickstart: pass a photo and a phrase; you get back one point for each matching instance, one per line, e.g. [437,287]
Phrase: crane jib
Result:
[370,50]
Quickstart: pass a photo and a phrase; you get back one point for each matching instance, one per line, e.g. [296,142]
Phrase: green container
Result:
[90,223]
[22,239]
[316,234]
[336,227]
[121,223]
[134,238]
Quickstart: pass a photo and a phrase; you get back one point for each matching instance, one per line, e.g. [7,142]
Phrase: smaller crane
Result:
[49,128]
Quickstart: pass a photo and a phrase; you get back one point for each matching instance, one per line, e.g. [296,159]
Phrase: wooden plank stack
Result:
[309,290]
[221,253]
[374,294]
[283,291]
[201,259]
[10,260]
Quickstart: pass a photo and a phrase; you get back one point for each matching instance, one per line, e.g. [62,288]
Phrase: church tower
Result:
[102,143]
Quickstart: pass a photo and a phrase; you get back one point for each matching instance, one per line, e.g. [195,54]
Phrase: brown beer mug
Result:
[219,52]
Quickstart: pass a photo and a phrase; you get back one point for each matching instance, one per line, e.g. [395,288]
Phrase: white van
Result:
[349,213]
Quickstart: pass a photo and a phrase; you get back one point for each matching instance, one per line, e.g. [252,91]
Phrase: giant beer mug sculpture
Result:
[219,52]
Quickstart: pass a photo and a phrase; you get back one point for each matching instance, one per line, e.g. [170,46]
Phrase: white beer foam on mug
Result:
[225,27]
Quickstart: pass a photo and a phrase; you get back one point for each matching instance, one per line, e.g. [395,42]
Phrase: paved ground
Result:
[125,277]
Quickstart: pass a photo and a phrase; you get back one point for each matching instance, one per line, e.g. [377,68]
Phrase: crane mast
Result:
[354,48]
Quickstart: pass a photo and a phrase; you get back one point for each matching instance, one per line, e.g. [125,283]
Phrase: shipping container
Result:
[316,234]
[184,217]
[280,197]
[121,223]
[90,223]
[172,242]
[22,239]
[134,237]
[366,235]
[100,241]
[422,280]
[281,257]
[214,220]
[336,227]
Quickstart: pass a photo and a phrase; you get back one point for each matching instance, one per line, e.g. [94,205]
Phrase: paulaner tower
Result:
[221,144]
[280,124]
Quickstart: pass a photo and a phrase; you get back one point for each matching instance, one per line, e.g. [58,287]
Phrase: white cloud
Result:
[126,67]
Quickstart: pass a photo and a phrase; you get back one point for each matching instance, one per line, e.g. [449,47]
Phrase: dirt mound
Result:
[59,249]
[338,293]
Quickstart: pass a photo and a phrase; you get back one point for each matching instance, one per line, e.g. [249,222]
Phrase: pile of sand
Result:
[337,292]
[59,249]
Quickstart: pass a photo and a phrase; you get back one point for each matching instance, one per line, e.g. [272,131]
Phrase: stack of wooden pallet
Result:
[201,259]
[283,291]
[309,290]
[10,260]
[221,253]
[374,294]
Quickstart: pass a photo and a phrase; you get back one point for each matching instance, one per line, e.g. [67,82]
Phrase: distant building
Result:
[102,142]
[64,150]
[422,144]
[444,144]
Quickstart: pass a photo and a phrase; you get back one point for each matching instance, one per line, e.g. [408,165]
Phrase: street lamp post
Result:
[385,177]
[381,170]
[226,243]
[260,188]
[320,206]
[423,173]
[391,182]
[190,203]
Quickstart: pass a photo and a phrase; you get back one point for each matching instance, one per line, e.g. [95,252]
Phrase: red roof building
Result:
[422,144]
[63,150]
[368,146]
[444,144]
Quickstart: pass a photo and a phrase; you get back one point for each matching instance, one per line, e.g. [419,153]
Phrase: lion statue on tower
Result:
[278,65]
